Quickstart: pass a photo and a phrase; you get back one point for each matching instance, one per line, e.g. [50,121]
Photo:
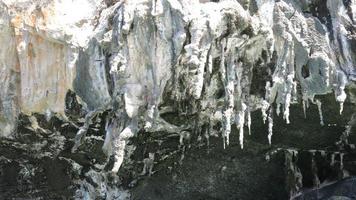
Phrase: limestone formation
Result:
[117,67]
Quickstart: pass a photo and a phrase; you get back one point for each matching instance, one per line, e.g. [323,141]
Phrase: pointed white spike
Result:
[270,126]
[318,103]
[241,123]
[304,109]
[249,121]
[264,107]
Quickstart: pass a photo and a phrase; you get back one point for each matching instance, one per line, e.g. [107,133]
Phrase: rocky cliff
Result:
[177,99]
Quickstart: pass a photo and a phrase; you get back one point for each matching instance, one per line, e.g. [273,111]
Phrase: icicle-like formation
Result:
[119,143]
[340,90]
[264,108]
[304,102]
[227,125]
[241,124]
[141,55]
[265,104]
[278,109]
[341,98]
[288,98]
[213,48]
[339,16]
[318,103]
[270,125]
[228,74]
[202,56]
[249,121]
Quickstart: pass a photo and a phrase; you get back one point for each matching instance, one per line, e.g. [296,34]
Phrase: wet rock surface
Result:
[38,163]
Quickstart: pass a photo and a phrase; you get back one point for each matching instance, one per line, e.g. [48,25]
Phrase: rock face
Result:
[176,99]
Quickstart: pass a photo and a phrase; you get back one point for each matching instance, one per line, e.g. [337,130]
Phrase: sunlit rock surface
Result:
[176,99]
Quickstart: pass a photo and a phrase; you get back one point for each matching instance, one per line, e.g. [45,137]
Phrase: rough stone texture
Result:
[9,75]
[177,99]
